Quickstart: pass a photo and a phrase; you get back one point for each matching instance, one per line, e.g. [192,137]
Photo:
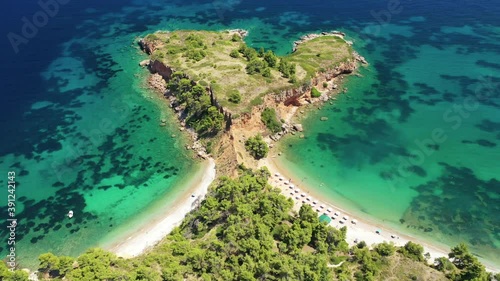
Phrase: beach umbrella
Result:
[354,221]
[315,202]
[337,214]
[286,183]
[277,174]
[281,178]
[321,206]
[303,195]
[378,231]
[297,197]
[292,186]
[291,193]
[325,218]
[345,218]
[297,190]
[328,210]
[308,199]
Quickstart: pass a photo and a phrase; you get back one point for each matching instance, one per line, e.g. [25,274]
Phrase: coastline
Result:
[364,228]
[156,230]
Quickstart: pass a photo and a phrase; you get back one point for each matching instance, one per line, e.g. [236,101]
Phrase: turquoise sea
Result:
[416,139]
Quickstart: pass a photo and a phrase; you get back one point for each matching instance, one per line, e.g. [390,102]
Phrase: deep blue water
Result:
[81,68]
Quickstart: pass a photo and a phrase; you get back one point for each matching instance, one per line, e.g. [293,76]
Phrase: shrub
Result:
[257,101]
[269,118]
[315,93]
[248,52]
[413,251]
[385,249]
[266,72]
[255,66]
[234,54]
[257,147]
[194,41]
[325,85]
[271,58]
[195,55]
[235,96]
[286,68]
[158,55]
[235,38]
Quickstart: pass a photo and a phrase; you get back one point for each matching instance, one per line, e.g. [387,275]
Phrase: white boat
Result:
[70,214]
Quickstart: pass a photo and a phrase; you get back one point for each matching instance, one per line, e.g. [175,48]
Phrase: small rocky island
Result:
[225,92]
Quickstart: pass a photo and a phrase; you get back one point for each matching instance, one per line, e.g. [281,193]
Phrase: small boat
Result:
[70,214]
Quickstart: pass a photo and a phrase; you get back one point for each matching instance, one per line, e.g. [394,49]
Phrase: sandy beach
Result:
[156,230]
[358,228]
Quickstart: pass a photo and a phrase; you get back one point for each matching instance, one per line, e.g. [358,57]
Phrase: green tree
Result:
[234,54]
[65,265]
[257,147]
[235,96]
[235,38]
[413,251]
[385,249]
[255,66]
[315,93]
[48,262]
[271,59]
[270,119]
[266,72]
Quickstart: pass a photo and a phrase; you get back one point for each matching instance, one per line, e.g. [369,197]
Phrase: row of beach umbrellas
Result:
[321,207]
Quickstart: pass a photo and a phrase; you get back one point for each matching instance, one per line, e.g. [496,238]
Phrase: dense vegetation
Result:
[270,119]
[258,62]
[262,62]
[201,115]
[247,230]
[257,147]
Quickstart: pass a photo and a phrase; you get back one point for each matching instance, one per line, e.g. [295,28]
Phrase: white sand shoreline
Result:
[141,241]
[363,229]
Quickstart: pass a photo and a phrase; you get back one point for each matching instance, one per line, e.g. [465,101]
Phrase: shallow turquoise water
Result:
[415,145]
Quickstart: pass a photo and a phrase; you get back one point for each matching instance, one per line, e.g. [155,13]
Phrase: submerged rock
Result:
[324,118]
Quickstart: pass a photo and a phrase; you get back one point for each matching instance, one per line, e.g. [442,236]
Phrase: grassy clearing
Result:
[205,56]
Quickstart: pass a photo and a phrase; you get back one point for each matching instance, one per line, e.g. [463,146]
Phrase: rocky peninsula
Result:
[241,83]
